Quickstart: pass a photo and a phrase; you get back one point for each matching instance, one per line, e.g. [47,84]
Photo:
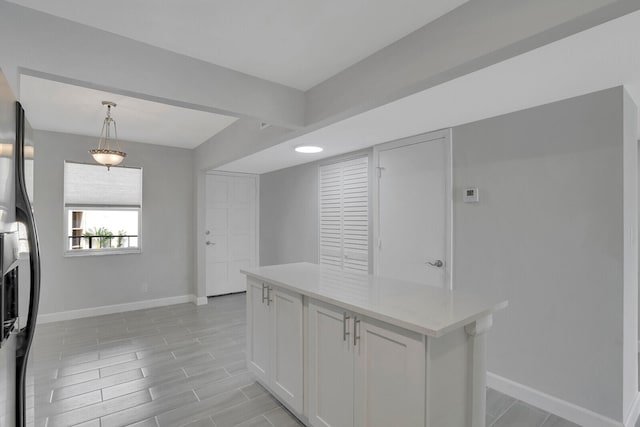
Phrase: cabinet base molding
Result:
[562,408]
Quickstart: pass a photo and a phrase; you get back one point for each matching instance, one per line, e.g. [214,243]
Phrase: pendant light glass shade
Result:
[104,154]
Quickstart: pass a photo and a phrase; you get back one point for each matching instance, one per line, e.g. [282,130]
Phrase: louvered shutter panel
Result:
[344,215]
[331,215]
[355,214]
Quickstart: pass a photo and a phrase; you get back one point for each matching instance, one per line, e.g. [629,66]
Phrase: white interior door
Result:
[230,231]
[413,221]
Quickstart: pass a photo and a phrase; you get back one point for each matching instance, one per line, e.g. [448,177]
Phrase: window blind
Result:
[344,214]
[94,185]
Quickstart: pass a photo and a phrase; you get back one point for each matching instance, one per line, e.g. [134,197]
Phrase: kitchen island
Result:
[348,349]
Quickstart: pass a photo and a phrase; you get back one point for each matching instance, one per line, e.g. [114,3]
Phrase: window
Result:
[344,215]
[102,209]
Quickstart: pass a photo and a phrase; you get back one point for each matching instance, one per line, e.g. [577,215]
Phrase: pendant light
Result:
[104,154]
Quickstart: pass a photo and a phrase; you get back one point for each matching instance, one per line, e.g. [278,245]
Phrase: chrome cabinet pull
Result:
[264,298]
[345,328]
[269,299]
[356,337]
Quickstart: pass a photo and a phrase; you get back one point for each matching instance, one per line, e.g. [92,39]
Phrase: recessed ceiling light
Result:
[308,149]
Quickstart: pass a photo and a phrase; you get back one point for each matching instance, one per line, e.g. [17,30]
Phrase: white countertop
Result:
[420,308]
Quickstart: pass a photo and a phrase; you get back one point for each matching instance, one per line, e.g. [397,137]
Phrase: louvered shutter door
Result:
[331,215]
[344,215]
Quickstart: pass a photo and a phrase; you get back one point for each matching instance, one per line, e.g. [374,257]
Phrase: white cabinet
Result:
[287,347]
[389,376]
[363,372]
[275,341]
[341,349]
[258,331]
[331,367]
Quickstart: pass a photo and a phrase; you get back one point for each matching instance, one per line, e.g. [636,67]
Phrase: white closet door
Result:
[230,233]
[412,211]
[344,215]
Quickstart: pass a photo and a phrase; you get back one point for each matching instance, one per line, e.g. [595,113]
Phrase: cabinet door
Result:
[258,331]
[331,365]
[389,376]
[287,347]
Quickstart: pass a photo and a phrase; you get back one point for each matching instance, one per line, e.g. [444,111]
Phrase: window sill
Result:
[99,252]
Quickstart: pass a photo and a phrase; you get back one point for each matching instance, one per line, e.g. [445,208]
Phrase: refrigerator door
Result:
[24,214]
[7,224]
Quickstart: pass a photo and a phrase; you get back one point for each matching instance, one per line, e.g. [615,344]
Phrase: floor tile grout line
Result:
[268,420]
[245,394]
[545,420]
[505,410]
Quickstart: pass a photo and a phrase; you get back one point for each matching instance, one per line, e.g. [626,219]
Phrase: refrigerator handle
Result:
[24,214]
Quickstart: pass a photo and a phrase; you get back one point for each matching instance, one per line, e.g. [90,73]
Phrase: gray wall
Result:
[166,263]
[289,212]
[547,235]
[289,215]
[630,280]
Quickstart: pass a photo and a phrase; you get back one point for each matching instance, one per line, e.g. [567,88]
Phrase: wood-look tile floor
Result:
[180,365]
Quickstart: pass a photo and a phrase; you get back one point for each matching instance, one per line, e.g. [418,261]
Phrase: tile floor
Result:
[181,365]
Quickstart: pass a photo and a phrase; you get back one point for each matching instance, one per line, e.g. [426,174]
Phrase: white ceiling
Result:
[298,43]
[62,107]
[599,58]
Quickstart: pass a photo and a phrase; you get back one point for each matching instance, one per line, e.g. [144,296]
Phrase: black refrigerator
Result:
[18,239]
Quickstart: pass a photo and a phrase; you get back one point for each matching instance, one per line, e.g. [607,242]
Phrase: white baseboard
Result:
[634,413]
[574,413]
[199,300]
[116,308]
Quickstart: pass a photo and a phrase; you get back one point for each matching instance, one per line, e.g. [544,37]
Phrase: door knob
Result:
[437,263]
[210,243]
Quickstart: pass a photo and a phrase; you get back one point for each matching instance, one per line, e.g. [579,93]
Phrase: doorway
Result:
[231,225]
[413,209]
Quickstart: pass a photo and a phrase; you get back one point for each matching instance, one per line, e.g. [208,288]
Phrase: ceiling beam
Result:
[52,47]
[475,35]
